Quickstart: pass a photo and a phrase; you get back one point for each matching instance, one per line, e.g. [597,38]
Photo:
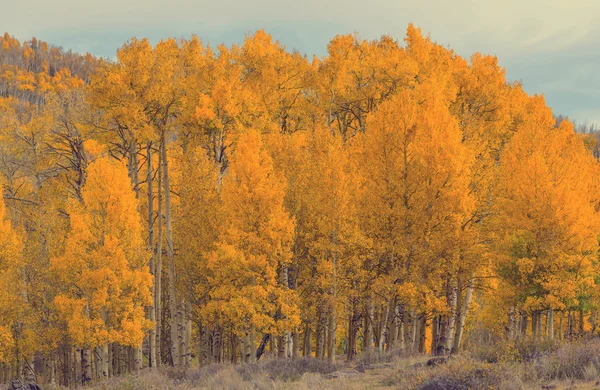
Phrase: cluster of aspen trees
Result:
[185,205]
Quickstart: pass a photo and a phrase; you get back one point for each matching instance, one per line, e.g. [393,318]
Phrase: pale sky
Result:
[553,46]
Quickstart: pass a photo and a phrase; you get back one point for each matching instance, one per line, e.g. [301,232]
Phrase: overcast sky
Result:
[553,46]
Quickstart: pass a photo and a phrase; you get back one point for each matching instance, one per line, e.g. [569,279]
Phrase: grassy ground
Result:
[501,366]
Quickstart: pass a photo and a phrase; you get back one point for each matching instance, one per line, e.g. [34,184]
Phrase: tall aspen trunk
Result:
[581,322]
[152,309]
[281,344]
[217,348]
[158,254]
[524,324]
[401,332]
[245,350]
[252,342]
[296,344]
[173,309]
[75,376]
[368,340]
[561,333]
[406,330]
[134,174]
[332,328]
[462,315]
[511,323]
[306,344]
[188,335]
[435,323]
[331,332]
[385,310]
[105,360]
[551,324]
[415,324]
[282,339]
[439,348]
[352,336]
[181,326]
[86,365]
[111,361]
[97,363]
[392,329]
[448,335]
[320,335]
[137,358]
[422,332]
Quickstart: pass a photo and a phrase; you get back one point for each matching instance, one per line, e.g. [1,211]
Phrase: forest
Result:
[184,205]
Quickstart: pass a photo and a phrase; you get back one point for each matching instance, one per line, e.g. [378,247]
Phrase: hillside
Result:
[189,207]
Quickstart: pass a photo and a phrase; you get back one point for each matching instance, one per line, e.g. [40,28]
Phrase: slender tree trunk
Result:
[435,323]
[320,332]
[551,324]
[245,348]
[464,311]
[415,324]
[406,330]
[104,357]
[86,366]
[331,331]
[296,344]
[368,340]
[448,336]
[75,374]
[137,358]
[307,345]
[252,341]
[282,339]
[393,329]
[385,310]
[561,333]
[158,274]
[511,323]
[152,308]
[181,326]
[134,175]
[217,345]
[351,352]
[188,335]
[173,309]
[422,332]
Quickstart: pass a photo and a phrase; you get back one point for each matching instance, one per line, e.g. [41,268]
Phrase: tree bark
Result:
[464,311]
[307,345]
[368,340]
[331,338]
[551,324]
[86,366]
[151,265]
[422,332]
[173,309]
[158,274]
[451,318]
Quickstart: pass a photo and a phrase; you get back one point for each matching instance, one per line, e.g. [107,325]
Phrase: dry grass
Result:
[508,366]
